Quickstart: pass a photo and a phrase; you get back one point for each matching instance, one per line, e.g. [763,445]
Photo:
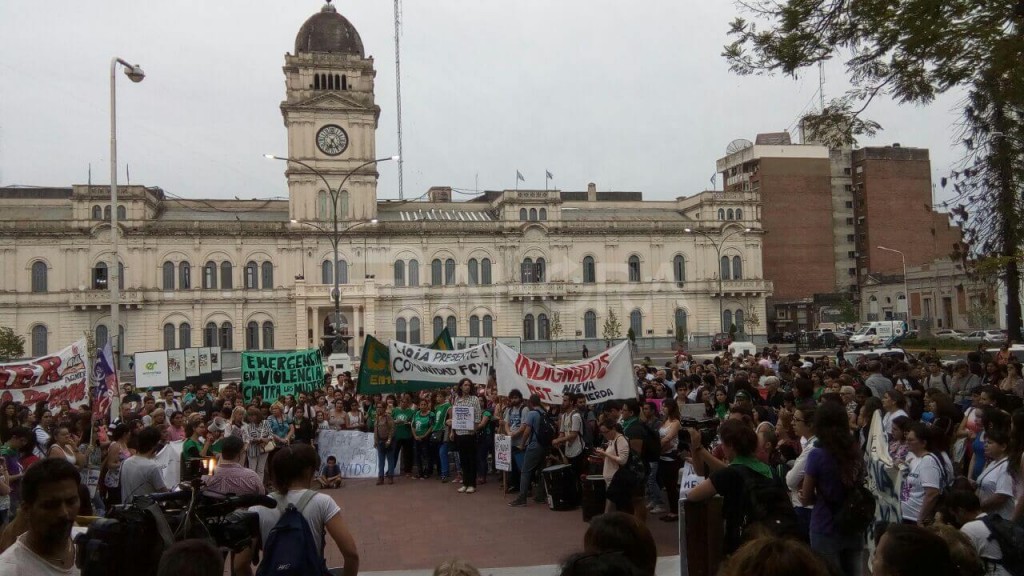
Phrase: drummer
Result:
[570,435]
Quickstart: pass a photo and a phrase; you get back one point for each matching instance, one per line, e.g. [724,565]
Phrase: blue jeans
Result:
[533,461]
[843,552]
[442,458]
[653,489]
[391,455]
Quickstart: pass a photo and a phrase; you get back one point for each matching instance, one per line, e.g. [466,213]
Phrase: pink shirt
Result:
[175,434]
[233,478]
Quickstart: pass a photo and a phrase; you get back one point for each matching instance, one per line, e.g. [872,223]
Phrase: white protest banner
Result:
[410,362]
[463,418]
[354,450]
[884,479]
[503,452]
[605,376]
[50,379]
[151,369]
[169,461]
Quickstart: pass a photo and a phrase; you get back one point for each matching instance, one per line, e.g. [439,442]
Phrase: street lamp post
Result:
[906,291]
[336,237]
[135,74]
[718,262]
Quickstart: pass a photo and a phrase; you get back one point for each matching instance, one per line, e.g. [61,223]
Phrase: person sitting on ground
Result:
[772,556]
[49,505]
[330,474]
[620,532]
[230,477]
[192,557]
[910,550]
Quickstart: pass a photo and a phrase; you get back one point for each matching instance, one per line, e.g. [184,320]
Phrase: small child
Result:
[330,474]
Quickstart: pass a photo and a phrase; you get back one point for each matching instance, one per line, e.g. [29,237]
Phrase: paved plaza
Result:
[415,524]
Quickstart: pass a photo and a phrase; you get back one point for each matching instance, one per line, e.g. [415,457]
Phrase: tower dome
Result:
[328,31]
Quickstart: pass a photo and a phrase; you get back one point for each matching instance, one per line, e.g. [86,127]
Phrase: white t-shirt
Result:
[995,479]
[320,509]
[795,476]
[140,476]
[922,473]
[987,548]
[888,418]
[18,560]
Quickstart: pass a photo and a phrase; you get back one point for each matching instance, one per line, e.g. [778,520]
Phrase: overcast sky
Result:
[630,95]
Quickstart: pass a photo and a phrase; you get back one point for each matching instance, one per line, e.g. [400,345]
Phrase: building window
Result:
[488,326]
[543,327]
[251,281]
[728,214]
[399,272]
[323,205]
[851,238]
[210,276]
[400,328]
[485,271]
[210,335]
[185,335]
[849,221]
[342,271]
[101,336]
[725,268]
[634,268]
[738,320]
[414,331]
[851,271]
[268,335]
[435,272]
[636,322]
[533,214]
[326,271]
[526,270]
[522,214]
[474,326]
[451,325]
[474,272]
[540,270]
[438,326]
[589,274]
[99,276]
[39,340]
[681,317]
[185,276]
[739,214]
[543,213]
[737,268]
[721,214]
[106,212]
[449,271]
[679,268]
[590,324]
[851,254]
[226,272]
[252,335]
[169,336]
[726,320]
[39,276]
[97,212]
[267,275]
[414,273]
[343,204]
[168,275]
[225,336]
[849,204]
[122,213]
[528,327]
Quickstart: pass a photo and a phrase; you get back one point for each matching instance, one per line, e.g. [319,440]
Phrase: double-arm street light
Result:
[135,74]
[334,192]
[906,292]
[718,250]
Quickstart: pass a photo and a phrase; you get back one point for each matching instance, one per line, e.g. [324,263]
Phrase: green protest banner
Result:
[275,374]
[375,369]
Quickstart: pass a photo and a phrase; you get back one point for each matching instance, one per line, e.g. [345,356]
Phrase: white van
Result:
[876,333]
[742,348]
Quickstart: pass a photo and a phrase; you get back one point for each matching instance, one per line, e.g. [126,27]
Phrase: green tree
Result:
[911,51]
[12,345]
[611,328]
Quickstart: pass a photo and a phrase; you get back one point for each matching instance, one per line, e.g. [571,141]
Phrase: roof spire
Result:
[328,7]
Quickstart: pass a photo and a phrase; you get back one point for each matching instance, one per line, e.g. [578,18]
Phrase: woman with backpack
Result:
[924,479]
[833,471]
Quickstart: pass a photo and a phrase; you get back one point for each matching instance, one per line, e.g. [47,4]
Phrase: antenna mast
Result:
[398,94]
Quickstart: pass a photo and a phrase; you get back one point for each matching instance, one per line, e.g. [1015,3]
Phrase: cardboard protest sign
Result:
[356,454]
[49,379]
[375,373]
[275,374]
[503,452]
[604,376]
[463,418]
[411,362]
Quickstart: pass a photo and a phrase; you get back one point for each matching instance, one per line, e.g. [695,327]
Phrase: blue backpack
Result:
[290,549]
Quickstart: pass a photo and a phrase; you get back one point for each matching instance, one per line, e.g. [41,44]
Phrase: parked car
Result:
[949,334]
[854,356]
[721,341]
[777,338]
[992,336]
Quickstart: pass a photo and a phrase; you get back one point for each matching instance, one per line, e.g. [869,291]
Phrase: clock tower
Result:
[331,118]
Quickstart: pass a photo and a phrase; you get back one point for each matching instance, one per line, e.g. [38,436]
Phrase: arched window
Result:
[414,273]
[252,335]
[210,334]
[226,334]
[39,340]
[474,272]
[681,329]
[169,331]
[399,272]
[590,324]
[106,212]
[485,271]
[541,270]
[414,331]
[267,275]
[449,271]
[342,271]
[636,322]
[337,82]
[210,276]
[488,326]
[168,275]
[543,327]
[97,212]
[726,320]
[522,214]
[526,271]
[101,336]
[725,268]
[99,276]
[543,214]
[728,214]
[721,214]
[330,82]
[268,335]
[739,214]
[323,205]
[184,276]
[474,326]
[39,276]
[452,326]
[533,214]
[185,335]
[344,82]
[120,275]
[400,328]
[528,327]
[634,268]
[438,326]
[226,273]
[122,214]
[738,320]
[316,81]
[326,272]
[737,268]
[251,281]
[873,305]
[343,204]
[589,271]
[679,268]
[435,273]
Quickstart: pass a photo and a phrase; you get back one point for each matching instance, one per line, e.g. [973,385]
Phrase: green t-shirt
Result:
[440,415]
[489,428]
[403,419]
[422,423]
[217,447]
[371,418]
[191,449]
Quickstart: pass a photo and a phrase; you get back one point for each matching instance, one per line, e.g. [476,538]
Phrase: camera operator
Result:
[231,477]
[293,468]
[50,503]
[140,474]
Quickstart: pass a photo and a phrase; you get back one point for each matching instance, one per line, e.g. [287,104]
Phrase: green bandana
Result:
[754,464]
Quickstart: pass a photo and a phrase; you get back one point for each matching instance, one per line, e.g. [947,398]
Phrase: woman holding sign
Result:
[466,414]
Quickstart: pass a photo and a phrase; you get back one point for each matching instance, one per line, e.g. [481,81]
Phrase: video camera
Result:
[708,428]
[133,536]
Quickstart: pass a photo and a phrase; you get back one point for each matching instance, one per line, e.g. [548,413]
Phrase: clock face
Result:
[332,140]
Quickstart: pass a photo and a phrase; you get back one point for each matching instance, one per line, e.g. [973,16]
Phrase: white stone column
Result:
[356,341]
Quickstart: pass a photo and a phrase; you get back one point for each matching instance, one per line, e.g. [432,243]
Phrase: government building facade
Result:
[242,275]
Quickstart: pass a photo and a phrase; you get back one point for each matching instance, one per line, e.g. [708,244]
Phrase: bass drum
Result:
[593,496]
[561,486]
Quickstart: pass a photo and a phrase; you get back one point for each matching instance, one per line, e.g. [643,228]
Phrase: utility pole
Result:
[398,94]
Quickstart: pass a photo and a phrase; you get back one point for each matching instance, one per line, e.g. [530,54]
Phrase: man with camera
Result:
[49,503]
[231,477]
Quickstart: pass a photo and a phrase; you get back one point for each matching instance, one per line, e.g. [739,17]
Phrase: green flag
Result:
[276,374]
[375,368]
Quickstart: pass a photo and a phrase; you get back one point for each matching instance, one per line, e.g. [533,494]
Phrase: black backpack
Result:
[856,512]
[547,430]
[767,504]
[1010,537]
[652,443]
